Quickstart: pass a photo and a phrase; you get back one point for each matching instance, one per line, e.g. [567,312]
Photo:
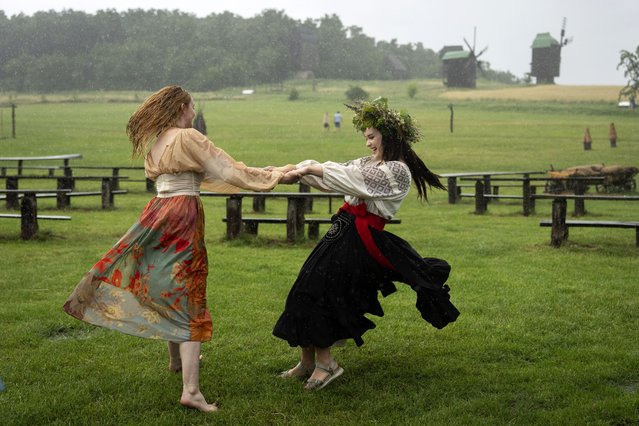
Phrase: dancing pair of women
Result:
[152,282]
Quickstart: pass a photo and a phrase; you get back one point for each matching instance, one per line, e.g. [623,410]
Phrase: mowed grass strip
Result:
[546,336]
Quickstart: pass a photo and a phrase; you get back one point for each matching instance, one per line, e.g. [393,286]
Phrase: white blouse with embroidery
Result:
[382,185]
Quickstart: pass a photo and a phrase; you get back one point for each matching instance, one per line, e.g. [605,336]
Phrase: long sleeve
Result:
[192,151]
[381,185]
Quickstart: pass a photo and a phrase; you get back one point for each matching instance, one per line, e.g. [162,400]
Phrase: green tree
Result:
[630,62]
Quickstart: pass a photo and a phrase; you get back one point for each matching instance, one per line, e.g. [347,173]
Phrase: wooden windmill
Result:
[546,56]
[460,66]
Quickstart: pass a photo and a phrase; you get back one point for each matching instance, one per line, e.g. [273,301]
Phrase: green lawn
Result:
[545,336]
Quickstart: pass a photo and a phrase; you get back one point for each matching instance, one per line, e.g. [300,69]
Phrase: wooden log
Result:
[107,193]
[295,218]
[12,199]
[259,203]
[453,194]
[559,232]
[580,205]
[308,203]
[233,217]
[62,198]
[29,213]
[480,200]
[526,192]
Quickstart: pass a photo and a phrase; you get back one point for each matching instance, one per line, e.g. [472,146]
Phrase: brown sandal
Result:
[306,372]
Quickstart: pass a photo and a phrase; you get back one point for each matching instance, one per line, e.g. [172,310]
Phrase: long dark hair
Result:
[422,176]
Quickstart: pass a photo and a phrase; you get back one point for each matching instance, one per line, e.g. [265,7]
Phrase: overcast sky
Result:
[599,29]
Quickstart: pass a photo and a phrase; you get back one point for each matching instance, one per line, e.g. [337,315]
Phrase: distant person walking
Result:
[337,120]
[326,125]
[152,283]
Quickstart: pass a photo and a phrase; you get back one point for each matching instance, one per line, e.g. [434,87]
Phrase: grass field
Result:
[545,336]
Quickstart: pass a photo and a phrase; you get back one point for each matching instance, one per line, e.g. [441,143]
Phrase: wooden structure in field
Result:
[546,56]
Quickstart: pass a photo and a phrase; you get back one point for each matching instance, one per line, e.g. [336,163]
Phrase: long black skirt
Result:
[339,284]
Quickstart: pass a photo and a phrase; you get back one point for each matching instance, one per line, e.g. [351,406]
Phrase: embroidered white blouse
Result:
[382,185]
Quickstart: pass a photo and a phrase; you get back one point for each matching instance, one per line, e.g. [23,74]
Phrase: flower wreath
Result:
[396,125]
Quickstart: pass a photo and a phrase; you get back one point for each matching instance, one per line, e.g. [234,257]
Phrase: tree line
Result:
[146,49]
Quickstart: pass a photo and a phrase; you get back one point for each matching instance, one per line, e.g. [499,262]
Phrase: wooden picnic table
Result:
[295,216]
[20,160]
[453,193]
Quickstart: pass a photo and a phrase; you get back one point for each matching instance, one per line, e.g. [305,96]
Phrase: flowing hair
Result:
[422,176]
[158,112]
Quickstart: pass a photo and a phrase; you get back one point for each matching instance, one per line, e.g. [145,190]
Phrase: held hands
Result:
[292,176]
[284,169]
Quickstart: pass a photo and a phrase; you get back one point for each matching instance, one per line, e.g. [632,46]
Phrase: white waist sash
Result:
[187,183]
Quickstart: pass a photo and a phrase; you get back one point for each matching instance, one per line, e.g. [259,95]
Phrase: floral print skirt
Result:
[152,283]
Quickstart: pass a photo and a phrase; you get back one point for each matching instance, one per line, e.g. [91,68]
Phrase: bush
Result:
[293,95]
[356,93]
[411,90]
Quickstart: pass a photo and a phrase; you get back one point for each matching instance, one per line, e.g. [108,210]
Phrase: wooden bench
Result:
[250,224]
[529,193]
[64,193]
[29,212]
[486,177]
[115,174]
[559,225]
[21,160]
[296,209]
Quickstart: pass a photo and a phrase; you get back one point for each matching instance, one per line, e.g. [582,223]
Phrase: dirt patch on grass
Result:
[540,93]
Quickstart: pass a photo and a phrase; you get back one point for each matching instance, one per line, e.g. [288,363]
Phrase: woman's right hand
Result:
[292,176]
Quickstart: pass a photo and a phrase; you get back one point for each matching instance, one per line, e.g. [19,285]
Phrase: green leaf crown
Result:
[395,125]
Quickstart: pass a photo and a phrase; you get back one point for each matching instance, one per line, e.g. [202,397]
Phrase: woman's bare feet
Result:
[198,402]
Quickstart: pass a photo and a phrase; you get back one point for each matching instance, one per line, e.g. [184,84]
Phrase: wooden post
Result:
[233,216]
[295,219]
[115,181]
[452,190]
[107,194]
[313,230]
[612,135]
[13,120]
[259,203]
[559,232]
[580,189]
[20,167]
[62,198]
[526,195]
[452,114]
[487,187]
[29,213]
[12,199]
[68,173]
[587,140]
[309,201]
[533,192]
[480,201]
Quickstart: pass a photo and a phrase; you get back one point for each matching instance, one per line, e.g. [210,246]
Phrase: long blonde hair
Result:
[157,113]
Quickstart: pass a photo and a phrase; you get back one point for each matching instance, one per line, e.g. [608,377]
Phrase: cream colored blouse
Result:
[192,161]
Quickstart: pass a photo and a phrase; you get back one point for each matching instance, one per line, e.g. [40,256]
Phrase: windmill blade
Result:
[472,49]
[482,52]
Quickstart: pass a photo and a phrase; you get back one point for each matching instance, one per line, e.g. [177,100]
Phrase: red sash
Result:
[364,219]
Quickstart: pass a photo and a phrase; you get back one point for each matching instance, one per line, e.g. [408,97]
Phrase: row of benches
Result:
[558,222]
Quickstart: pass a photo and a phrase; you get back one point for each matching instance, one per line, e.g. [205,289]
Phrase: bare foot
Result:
[198,402]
